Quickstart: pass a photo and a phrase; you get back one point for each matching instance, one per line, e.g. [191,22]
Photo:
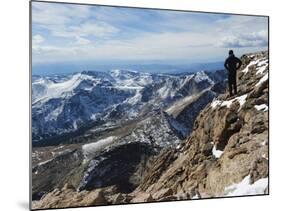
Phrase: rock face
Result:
[117,167]
[226,153]
[68,197]
[53,173]
[184,112]
[229,142]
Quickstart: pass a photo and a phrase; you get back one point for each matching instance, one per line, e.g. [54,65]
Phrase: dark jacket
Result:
[232,63]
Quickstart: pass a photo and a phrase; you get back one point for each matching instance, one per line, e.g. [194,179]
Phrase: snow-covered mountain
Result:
[69,104]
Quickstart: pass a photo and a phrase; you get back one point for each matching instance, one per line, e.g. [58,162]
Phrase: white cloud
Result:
[57,14]
[149,46]
[253,39]
[82,41]
[90,28]
[98,29]
[88,33]
[36,39]
[242,31]
[70,21]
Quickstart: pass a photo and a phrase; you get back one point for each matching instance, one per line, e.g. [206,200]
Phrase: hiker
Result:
[232,64]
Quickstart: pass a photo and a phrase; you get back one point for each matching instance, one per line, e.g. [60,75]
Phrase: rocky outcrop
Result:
[54,173]
[121,165]
[69,197]
[184,112]
[229,141]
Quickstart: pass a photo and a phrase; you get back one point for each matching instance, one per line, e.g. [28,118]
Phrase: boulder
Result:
[142,197]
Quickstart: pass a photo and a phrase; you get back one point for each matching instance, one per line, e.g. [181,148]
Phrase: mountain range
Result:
[68,105]
[123,137]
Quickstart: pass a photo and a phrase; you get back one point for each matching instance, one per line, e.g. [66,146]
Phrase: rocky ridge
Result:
[229,142]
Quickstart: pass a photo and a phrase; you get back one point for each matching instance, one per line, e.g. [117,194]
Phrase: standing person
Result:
[232,64]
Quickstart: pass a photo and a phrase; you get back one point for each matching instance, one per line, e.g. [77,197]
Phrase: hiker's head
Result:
[230,52]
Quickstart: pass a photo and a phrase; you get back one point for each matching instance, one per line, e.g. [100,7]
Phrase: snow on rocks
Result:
[246,69]
[262,107]
[262,66]
[260,70]
[44,162]
[263,79]
[201,76]
[195,197]
[264,156]
[90,149]
[179,104]
[263,143]
[245,188]
[241,99]
[260,63]
[215,103]
[216,153]
[164,91]
[55,90]
[136,98]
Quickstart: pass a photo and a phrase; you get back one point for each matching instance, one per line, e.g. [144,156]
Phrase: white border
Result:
[14,92]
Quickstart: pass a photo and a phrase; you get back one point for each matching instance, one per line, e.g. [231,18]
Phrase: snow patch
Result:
[115,73]
[195,197]
[179,104]
[245,188]
[260,70]
[44,162]
[264,156]
[136,98]
[75,125]
[185,80]
[262,63]
[246,69]
[54,114]
[241,100]
[215,103]
[216,153]
[263,79]
[262,107]
[227,103]
[202,76]
[57,90]
[263,143]
[90,149]
[178,146]
[165,91]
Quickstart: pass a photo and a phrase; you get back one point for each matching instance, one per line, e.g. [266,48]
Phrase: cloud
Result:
[82,41]
[58,14]
[73,32]
[184,45]
[73,22]
[90,28]
[254,39]
[54,53]
[37,39]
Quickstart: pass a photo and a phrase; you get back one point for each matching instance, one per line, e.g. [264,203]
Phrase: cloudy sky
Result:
[82,33]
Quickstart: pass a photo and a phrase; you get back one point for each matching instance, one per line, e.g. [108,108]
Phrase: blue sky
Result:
[66,33]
